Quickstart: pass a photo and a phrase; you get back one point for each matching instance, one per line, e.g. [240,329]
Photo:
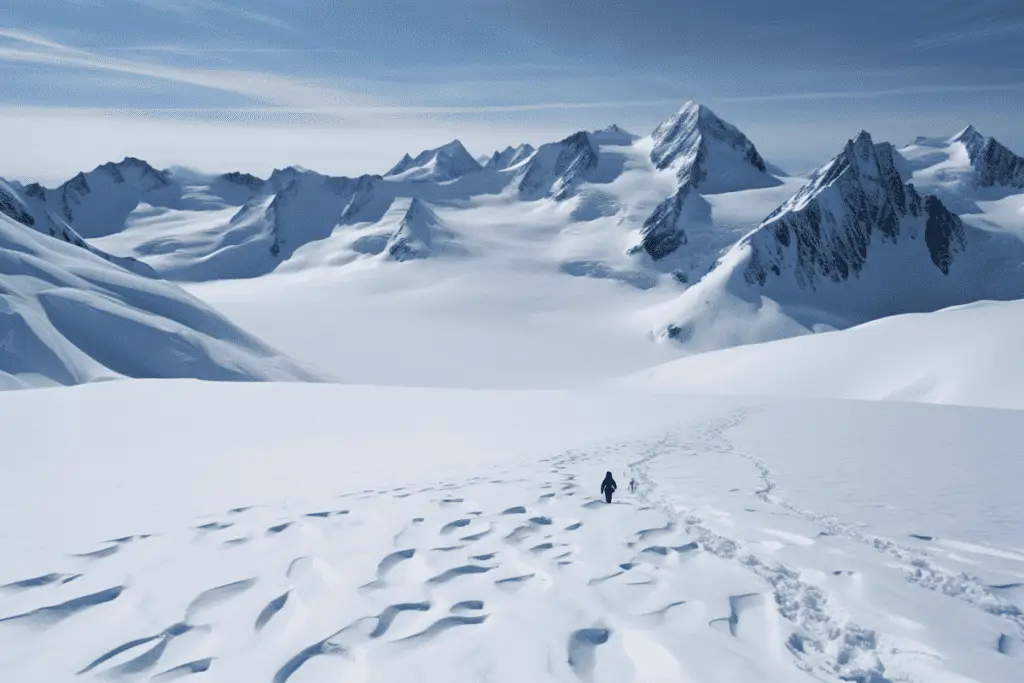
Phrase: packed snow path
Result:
[523,574]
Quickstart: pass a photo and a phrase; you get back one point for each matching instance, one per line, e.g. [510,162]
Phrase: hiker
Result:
[632,485]
[608,487]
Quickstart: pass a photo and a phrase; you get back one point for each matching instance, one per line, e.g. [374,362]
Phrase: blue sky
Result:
[348,86]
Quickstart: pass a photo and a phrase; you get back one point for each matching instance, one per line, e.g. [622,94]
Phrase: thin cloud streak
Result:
[190,10]
[261,86]
[970,35]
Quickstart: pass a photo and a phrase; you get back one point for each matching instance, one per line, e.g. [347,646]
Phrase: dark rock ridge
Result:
[705,151]
[684,142]
[510,156]
[823,232]
[558,167]
[662,232]
[994,165]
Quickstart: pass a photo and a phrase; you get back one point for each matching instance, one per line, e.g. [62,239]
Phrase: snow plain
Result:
[321,533]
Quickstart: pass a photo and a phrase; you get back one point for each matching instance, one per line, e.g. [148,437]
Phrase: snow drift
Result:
[67,316]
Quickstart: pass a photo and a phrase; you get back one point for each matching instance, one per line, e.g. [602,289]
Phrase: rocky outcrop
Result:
[994,165]
[824,231]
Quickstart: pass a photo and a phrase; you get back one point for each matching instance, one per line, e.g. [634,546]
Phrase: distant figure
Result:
[608,487]
[632,485]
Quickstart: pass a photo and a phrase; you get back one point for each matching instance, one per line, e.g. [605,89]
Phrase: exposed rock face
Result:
[707,155]
[994,165]
[823,232]
[420,234]
[663,231]
[558,167]
[509,157]
[695,141]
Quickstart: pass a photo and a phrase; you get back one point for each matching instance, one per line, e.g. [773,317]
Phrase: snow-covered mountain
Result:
[16,205]
[510,156]
[420,234]
[707,155]
[444,163]
[557,169]
[706,152]
[856,243]
[966,163]
[67,316]
[98,202]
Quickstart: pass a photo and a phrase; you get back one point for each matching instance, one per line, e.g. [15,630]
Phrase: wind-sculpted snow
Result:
[68,317]
[24,207]
[736,557]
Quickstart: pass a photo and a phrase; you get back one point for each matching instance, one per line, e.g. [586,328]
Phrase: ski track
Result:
[445,568]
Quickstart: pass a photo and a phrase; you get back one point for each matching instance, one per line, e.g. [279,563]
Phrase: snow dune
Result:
[323,533]
[68,316]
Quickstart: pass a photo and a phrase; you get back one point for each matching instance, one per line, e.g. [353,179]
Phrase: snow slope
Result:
[301,537]
[966,355]
[20,207]
[68,316]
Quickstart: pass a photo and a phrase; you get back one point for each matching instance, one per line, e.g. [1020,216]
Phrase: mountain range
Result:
[732,249]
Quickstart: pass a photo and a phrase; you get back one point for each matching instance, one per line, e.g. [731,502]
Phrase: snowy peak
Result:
[994,165]
[420,234]
[447,162]
[558,167]
[707,152]
[371,199]
[614,135]
[241,179]
[509,157]
[823,233]
[134,171]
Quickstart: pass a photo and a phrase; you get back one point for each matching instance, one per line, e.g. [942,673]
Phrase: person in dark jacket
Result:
[608,487]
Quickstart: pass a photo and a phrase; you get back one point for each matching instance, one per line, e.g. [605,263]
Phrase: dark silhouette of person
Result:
[608,487]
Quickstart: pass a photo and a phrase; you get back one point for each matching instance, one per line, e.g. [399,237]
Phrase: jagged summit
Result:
[614,135]
[447,162]
[707,152]
[558,167]
[508,157]
[420,234]
[994,164]
[857,198]
[856,243]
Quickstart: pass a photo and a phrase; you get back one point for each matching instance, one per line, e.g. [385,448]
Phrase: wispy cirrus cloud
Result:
[970,35]
[193,11]
[263,87]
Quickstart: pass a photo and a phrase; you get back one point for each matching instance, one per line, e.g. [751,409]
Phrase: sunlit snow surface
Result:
[323,533]
[375,532]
